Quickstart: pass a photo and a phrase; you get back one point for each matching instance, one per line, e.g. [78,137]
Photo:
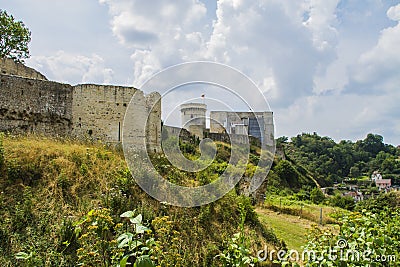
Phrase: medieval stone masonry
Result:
[29,103]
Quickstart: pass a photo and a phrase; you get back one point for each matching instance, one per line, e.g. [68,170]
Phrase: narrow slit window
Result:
[119,131]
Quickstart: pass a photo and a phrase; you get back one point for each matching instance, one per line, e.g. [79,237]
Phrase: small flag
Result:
[203,95]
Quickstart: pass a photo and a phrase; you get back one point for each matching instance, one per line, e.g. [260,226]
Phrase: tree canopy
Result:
[332,162]
[14,38]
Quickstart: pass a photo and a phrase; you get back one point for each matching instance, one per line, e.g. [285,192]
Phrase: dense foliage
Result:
[390,201]
[14,38]
[333,162]
[366,238]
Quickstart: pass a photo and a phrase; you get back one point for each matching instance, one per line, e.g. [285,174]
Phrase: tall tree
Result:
[372,144]
[14,38]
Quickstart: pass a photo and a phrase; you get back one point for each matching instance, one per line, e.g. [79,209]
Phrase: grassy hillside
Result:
[60,205]
[293,230]
[289,228]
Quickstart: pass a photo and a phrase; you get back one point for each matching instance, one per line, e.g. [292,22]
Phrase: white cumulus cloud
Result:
[378,69]
[70,68]
[160,33]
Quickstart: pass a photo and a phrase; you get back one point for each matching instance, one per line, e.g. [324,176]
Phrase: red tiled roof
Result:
[383,181]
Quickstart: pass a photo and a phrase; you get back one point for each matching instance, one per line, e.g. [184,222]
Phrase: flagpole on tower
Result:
[203,97]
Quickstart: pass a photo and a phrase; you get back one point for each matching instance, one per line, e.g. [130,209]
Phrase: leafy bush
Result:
[97,246]
[364,239]
[237,252]
[100,247]
[317,196]
[389,201]
[287,173]
[137,248]
[342,202]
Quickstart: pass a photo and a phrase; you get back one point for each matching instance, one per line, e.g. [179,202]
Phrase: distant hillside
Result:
[329,162]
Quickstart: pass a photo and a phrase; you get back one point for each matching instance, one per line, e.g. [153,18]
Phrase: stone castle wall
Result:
[99,111]
[154,128]
[193,116]
[237,138]
[179,132]
[35,106]
[93,112]
[10,67]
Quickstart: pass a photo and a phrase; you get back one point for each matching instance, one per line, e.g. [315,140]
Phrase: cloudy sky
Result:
[327,66]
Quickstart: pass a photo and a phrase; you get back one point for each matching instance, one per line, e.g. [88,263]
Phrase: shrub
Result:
[342,202]
[364,239]
[167,249]
[388,201]
[317,196]
[237,252]
[96,243]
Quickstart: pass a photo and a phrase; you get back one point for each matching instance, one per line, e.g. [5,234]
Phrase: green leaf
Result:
[144,261]
[140,229]
[23,255]
[123,243]
[135,244]
[124,261]
[128,214]
[144,249]
[378,241]
[137,219]
[125,236]
[150,242]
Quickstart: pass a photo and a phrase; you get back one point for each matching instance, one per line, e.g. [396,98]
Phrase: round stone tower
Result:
[194,118]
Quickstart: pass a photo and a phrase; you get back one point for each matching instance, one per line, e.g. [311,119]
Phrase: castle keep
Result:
[193,117]
[228,124]
[29,103]
[257,124]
